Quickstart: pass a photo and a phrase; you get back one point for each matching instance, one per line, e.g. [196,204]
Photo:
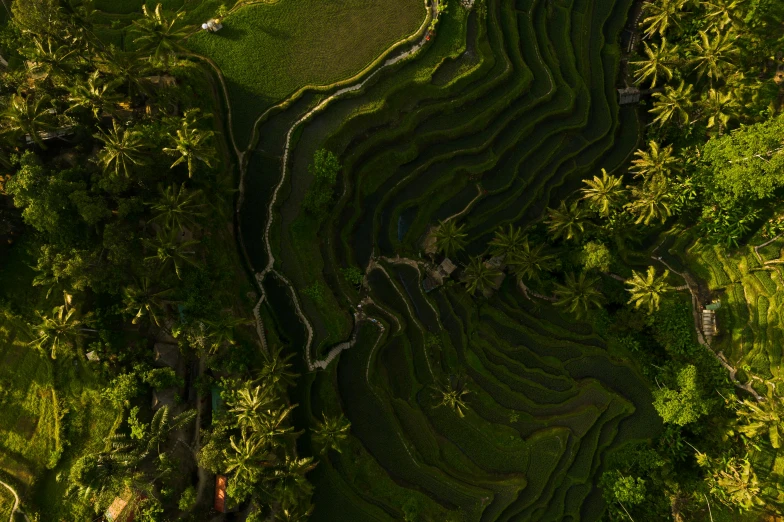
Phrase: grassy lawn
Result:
[269,51]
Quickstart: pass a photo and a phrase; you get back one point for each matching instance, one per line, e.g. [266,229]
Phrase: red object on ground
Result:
[220,493]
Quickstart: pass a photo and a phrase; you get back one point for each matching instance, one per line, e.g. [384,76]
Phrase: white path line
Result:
[16,503]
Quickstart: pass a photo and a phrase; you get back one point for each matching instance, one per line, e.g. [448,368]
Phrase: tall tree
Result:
[167,252]
[661,15]
[673,104]
[331,433]
[160,33]
[530,262]
[451,396]
[604,193]
[27,116]
[661,58]
[721,13]
[291,485]
[276,370]
[250,404]
[122,148]
[737,485]
[647,290]
[655,163]
[478,276]
[715,55]
[450,239]
[96,95]
[191,144]
[507,242]
[578,294]
[758,419]
[220,331]
[719,108]
[177,207]
[652,201]
[245,458]
[142,300]
[58,331]
[567,221]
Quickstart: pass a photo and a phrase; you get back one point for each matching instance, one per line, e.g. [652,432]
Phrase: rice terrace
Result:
[391,260]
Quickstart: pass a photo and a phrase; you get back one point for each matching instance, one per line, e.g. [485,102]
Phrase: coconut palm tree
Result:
[125,68]
[650,202]
[758,419]
[30,116]
[716,55]
[161,425]
[478,276]
[168,252]
[450,239]
[190,145]
[738,486]
[530,262]
[604,193]
[331,433]
[659,63]
[249,405]
[721,13]
[160,33]
[647,290]
[49,59]
[291,485]
[578,294]
[507,243]
[719,108]
[299,513]
[57,332]
[142,300]
[177,207]
[276,370]
[452,397]
[220,332]
[673,104]
[654,164]
[567,221]
[272,425]
[661,15]
[121,149]
[245,457]
[95,94]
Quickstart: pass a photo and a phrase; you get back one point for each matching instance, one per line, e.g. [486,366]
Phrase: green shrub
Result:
[187,499]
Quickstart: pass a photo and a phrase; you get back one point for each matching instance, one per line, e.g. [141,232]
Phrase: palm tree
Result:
[58,331]
[331,433]
[291,485]
[719,108]
[479,276]
[720,13]
[220,333]
[647,290]
[716,55]
[530,262]
[49,58]
[271,426]
[170,252]
[673,104]
[651,202]
[763,418]
[125,68]
[250,404]
[566,221]
[160,33]
[450,239]
[245,458]
[191,144]
[662,14]
[141,300]
[159,428]
[97,96]
[28,116]
[654,164]
[452,397]
[177,207]
[578,294]
[738,486]
[121,149]
[276,370]
[659,63]
[298,513]
[507,243]
[604,193]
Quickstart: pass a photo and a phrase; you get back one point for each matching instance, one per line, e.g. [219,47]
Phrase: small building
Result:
[629,96]
[50,135]
[116,509]
[431,283]
[167,355]
[212,26]
[709,327]
[92,356]
[446,267]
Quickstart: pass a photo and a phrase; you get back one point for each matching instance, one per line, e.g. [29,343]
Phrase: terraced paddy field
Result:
[503,109]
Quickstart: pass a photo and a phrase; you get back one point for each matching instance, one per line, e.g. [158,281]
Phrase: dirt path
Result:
[16,503]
